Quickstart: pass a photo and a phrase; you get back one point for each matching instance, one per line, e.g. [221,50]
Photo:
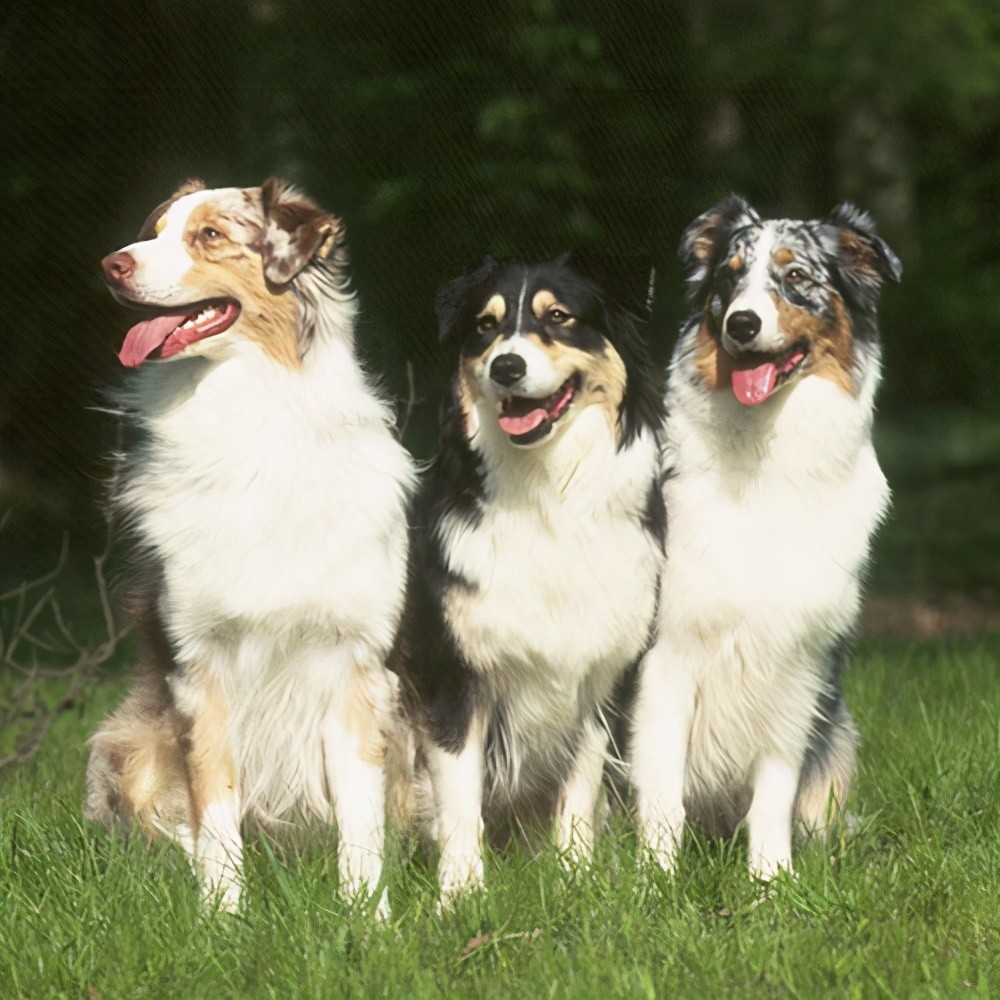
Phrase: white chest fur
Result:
[274,498]
[563,575]
[771,512]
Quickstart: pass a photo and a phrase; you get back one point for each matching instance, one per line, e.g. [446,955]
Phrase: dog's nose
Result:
[507,369]
[118,267]
[743,326]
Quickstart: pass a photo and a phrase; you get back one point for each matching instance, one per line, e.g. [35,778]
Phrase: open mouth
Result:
[169,332]
[528,420]
[755,383]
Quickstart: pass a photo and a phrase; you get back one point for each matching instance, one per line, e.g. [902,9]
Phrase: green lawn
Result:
[906,906]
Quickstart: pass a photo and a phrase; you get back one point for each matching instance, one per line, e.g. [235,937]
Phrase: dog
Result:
[269,497]
[541,535]
[773,494]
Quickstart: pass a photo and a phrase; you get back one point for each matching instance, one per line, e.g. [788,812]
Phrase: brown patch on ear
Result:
[296,230]
[862,256]
[782,256]
[831,341]
[735,263]
[148,230]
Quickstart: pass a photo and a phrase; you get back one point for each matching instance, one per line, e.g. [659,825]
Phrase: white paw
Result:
[459,879]
[222,894]
[662,841]
[768,869]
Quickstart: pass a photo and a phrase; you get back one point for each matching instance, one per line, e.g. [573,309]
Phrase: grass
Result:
[905,906]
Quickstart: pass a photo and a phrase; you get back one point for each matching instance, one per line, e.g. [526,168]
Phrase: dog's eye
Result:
[794,275]
[486,323]
[557,316]
[208,233]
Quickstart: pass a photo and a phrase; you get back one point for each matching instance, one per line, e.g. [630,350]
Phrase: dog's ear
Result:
[296,231]
[148,230]
[452,295]
[863,258]
[706,237]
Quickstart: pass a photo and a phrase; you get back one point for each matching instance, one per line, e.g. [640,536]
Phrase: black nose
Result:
[507,369]
[743,326]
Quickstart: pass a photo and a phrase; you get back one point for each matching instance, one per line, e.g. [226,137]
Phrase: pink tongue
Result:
[753,385]
[147,336]
[510,424]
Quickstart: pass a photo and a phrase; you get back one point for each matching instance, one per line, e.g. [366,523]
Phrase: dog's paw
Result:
[767,870]
[458,880]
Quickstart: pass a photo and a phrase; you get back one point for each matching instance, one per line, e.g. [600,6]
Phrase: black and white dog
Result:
[773,495]
[543,536]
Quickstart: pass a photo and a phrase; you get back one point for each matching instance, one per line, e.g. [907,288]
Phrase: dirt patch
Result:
[909,616]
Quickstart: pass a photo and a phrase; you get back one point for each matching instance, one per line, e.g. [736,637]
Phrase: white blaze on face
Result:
[754,296]
[163,262]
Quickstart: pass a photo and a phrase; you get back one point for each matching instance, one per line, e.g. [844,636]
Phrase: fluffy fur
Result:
[541,540]
[773,494]
[268,497]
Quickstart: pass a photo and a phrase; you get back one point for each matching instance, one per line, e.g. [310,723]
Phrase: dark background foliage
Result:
[443,130]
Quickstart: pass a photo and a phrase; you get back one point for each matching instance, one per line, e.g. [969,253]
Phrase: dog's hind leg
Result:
[136,770]
[828,774]
[576,812]
[215,798]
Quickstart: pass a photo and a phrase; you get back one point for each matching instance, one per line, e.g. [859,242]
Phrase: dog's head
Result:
[538,345]
[781,299]
[213,265]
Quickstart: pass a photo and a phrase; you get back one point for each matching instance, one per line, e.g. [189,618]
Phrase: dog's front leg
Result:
[457,779]
[575,817]
[215,797]
[661,730]
[354,744]
[769,821]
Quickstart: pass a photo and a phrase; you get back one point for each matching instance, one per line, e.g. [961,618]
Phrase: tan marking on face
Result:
[713,364]
[831,346]
[782,256]
[496,308]
[831,341]
[735,263]
[361,720]
[544,301]
[211,771]
[602,378]
[227,266]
